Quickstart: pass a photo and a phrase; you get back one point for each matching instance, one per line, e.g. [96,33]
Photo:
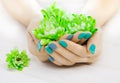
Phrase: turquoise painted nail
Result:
[69,37]
[81,35]
[52,46]
[48,50]
[92,48]
[51,59]
[63,43]
[39,46]
[88,35]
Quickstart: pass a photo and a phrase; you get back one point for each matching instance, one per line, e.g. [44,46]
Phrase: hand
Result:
[96,9]
[33,43]
[73,53]
[68,52]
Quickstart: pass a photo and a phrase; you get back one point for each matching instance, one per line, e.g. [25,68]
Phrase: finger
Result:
[81,37]
[79,59]
[63,52]
[50,50]
[51,59]
[35,49]
[78,36]
[94,44]
[75,38]
[74,48]
[87,60]
[67,36]
[84,60]
[85,38]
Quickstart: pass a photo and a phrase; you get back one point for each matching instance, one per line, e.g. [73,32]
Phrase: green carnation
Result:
[17,60]
[56,23]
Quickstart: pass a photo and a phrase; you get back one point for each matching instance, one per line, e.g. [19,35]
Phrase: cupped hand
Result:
[65,51]
[82,47]
[33,43]
[56,52]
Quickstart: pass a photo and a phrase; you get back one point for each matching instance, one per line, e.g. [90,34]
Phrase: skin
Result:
[66,56]
[72,51]
[23,10]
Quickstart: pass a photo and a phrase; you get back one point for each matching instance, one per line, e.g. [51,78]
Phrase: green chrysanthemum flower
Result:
[17,60]
[56,23]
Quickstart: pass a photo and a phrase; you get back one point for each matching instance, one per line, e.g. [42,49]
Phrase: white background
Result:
[105,70]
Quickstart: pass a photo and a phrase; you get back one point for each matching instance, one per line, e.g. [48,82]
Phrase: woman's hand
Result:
[69,49]
[37,49]
[68,52]
[33,43]
[64,52]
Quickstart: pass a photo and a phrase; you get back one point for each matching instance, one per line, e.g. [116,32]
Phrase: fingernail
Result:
[69,37]
[81,35]
[52,46]
[51,59]
[63,43]
[92,48]
[87,36]
[48,50]
[39,46]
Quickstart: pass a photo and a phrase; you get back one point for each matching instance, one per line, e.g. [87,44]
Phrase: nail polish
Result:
[39,46]
[88,35]
[63,43]
[92,48]
[69,37]
[48,50]
[81,35]
[51,59]
[52,46]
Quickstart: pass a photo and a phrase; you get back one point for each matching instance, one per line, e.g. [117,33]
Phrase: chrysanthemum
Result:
[17,60]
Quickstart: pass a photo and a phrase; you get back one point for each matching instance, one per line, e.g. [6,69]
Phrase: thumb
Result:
[94,43]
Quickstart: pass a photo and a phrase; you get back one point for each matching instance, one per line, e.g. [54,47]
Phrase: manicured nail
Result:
[92,48]
[39,46]
[81,35]
[63,43]
[88,35]
[48,50]
[69,37]
[52,46]
[51,59]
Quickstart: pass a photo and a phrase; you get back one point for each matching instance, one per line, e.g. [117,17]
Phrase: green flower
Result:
[56,23]
[17,60]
